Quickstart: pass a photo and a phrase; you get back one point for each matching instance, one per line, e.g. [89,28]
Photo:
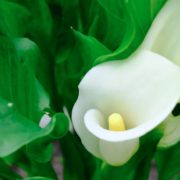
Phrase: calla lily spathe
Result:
[144,89]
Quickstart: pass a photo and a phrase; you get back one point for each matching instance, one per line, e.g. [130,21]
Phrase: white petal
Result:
[143,89]
[114,153]
[164,34]
[171,128]
[118,153]
[95,121]
[90,141]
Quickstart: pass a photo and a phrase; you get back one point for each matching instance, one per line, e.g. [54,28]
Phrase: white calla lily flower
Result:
[120,101]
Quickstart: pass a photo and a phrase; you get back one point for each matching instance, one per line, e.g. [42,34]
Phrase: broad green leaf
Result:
[99,21]
[84,50]
[110,25]
[18,129]
[72,64]
[91,49]
[29,54]
[23,100]
[13,18]
[124,48]
[89,12]
[112,7]
[40,24]
[168,162]
[19,84]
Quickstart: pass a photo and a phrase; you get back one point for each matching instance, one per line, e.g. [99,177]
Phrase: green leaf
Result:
[177,177]
[6,172]
[18,159]
[19,84]
[78,163]
[45,150]
[23,100]
[74,62]
[72,161]
[70,13]
[13,18]
[100,20]
[30,166]
[110,20]
[40,24]
[18,129]
[168,162]
[44,145]
[61,126]
[155,6]
[90,47]
[137,17]
[42,169]
[29,54]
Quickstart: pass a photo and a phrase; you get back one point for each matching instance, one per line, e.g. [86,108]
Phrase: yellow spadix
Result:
[116,122]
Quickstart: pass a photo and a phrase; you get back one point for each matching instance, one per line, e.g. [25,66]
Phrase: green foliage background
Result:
[46,47]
